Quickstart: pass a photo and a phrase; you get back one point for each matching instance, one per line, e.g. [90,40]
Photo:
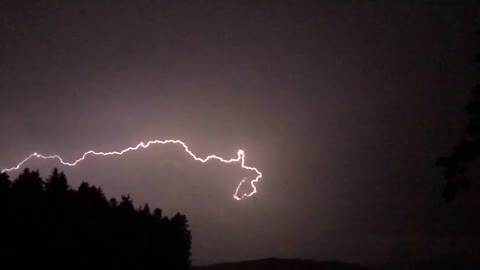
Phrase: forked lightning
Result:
[240,158]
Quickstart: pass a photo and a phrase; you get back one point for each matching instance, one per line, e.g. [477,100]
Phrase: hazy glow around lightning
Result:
[240,158]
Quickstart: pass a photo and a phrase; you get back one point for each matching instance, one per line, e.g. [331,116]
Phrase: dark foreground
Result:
[300,264]
[282,264]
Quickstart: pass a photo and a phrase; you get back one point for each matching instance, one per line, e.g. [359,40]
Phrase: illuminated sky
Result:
[343,108]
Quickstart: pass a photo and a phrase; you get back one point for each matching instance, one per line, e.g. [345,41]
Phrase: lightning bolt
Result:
[240,158]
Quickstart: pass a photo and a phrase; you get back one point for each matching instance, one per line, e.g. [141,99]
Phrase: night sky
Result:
[344,107]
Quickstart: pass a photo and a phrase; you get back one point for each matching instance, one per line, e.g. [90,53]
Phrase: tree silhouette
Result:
[47,224]
[56,184]
[5,184]
[465,152]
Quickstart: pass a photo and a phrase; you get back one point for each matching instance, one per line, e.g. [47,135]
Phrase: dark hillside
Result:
[282,264]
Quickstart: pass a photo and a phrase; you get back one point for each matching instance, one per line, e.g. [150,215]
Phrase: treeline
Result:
[46,224]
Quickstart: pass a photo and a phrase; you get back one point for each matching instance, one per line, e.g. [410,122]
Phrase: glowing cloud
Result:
[240,158]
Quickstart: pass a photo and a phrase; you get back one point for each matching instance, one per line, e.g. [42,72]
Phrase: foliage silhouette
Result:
[48,225]
[466,151]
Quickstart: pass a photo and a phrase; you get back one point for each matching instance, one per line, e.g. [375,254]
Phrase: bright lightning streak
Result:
[240,158]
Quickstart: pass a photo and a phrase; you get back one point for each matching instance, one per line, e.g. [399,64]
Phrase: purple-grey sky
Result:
[344,107]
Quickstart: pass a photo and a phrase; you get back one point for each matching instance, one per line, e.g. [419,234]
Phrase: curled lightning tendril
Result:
[240,158]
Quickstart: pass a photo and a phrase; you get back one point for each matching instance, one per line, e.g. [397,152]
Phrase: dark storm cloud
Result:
[343,107]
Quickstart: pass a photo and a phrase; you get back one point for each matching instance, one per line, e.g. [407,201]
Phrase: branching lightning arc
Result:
[240,158]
